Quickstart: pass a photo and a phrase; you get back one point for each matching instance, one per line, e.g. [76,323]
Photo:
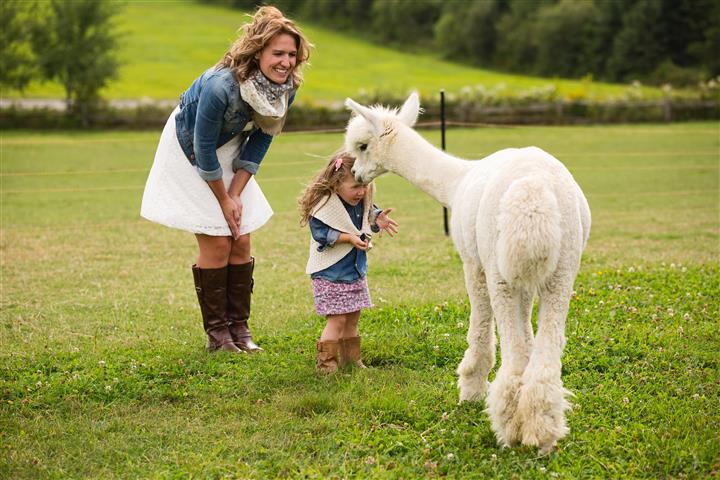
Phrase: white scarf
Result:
[268,100]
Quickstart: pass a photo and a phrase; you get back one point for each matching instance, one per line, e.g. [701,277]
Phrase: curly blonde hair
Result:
[325,182]
[265,25]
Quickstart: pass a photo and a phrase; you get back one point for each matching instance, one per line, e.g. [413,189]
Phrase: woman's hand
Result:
[385,223]
[232,210]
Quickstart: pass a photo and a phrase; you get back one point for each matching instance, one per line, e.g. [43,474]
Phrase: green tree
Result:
[467,31]
[76,46]
[406,22]
[564,36]
[17,60]
[346,14]
[640,45]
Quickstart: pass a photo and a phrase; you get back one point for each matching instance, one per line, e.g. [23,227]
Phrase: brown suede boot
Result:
[239,293]
[328,353]
[351,352]
[211,289]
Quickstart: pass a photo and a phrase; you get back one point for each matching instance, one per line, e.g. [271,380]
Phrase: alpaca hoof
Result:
[541,410]
[502,407]
[547,449]
[472,389]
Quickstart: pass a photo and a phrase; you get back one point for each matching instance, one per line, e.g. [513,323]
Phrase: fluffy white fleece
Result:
[520,223]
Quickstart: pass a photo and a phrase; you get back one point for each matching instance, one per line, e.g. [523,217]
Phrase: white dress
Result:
[177,197]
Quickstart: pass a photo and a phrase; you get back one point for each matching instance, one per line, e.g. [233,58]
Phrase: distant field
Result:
[165,45]
[102,372]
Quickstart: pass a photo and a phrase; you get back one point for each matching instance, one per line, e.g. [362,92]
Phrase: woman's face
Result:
[277,59]
[351,191]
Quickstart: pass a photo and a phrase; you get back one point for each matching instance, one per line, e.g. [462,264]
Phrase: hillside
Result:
[165,45]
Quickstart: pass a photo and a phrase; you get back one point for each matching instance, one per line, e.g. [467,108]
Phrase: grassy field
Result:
[166,44]
[103,373]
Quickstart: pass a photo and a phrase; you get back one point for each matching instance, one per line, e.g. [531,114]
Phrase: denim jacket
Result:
[352,266]
[212,113]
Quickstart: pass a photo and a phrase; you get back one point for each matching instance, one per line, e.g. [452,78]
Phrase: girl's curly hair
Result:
[326,182]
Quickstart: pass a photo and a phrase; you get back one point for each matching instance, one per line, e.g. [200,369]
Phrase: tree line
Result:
[70,41]
[654,41]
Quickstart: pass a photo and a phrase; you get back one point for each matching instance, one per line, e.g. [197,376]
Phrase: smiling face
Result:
[351,191]
[277,60]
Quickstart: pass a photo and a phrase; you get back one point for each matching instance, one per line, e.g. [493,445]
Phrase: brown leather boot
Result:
[239,293]
[211,289]
[328,353]
[351,352]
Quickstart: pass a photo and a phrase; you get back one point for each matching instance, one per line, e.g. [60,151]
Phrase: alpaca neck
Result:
[427,167]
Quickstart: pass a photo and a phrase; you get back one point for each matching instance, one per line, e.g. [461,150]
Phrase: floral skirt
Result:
[335,298]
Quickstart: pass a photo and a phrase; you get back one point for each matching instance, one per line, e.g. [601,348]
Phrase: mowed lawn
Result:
[103,373]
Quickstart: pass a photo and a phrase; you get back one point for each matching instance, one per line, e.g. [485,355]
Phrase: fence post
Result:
[442,144]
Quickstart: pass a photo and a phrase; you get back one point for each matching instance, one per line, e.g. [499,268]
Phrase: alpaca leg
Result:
[542,401]
[479,357]
[512,314]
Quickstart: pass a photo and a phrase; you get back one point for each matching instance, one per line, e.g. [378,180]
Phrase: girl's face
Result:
[352,191]
[277,60]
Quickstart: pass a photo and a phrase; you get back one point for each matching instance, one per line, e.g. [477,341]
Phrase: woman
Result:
[202,178]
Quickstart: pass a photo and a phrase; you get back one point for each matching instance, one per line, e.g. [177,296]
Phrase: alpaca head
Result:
[371,133]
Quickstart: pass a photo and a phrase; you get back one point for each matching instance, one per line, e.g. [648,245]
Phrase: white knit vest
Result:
[333,214]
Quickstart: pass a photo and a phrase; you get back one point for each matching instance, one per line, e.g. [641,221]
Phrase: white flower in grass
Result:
[460,325]
[686,316]
[451,456]
[38,384]
[436,347]
[108,387]
[445,416]
[101,363]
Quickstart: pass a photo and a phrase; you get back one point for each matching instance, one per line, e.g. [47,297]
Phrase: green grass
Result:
[102,371]
[166,44]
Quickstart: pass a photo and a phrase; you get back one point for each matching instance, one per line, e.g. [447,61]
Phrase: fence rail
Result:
[147,114]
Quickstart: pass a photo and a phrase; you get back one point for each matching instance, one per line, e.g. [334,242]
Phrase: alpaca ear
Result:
[410,110]
[366,113]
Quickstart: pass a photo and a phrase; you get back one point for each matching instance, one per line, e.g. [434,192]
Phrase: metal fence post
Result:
[442,144]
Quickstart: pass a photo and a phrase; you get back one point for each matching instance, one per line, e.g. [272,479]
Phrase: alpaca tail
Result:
[528,245]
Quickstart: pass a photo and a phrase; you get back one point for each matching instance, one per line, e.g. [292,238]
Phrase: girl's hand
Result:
[353,240]
[385,223]
[232,210]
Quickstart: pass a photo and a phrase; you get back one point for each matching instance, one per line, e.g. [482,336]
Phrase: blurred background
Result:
[110,63]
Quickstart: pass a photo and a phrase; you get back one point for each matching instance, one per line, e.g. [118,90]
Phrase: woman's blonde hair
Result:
[266,24]
[325,182]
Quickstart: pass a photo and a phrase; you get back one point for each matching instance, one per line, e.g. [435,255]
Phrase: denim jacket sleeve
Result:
[208,123]
[256,147]
[373,214]
[323,234]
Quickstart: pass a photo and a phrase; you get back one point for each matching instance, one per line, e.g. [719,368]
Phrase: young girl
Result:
[342,219]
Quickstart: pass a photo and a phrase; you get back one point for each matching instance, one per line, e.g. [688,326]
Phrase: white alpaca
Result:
[520,224]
